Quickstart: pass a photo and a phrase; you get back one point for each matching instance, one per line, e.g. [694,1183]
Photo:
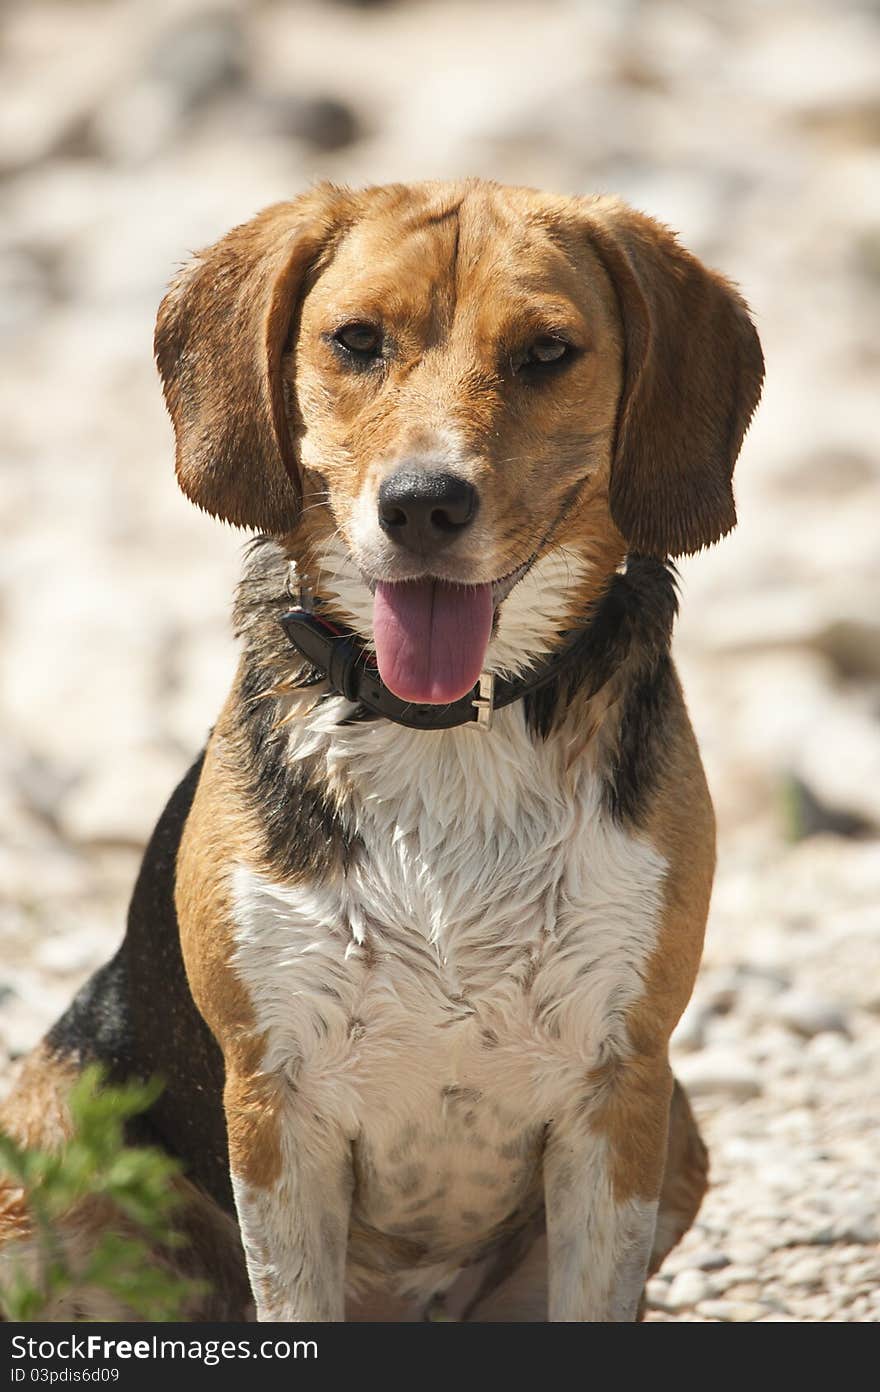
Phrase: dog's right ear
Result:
[222,332]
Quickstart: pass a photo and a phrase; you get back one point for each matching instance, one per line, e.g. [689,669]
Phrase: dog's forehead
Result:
[499,248]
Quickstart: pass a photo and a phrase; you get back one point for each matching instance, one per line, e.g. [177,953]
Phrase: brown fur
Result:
[685,1179]
[628,448]
[647,317]
[693,376]
[34,1114]
[220,335]
[219,832]
[680,823]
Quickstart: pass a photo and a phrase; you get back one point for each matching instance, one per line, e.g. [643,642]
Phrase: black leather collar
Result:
[338,654]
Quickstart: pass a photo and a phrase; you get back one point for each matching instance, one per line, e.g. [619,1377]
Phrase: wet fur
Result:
[488,938]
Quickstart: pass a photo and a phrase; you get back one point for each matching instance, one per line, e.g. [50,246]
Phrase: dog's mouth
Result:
[431,635]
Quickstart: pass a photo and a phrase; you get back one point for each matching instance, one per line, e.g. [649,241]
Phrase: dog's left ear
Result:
[221,335]
[693,369]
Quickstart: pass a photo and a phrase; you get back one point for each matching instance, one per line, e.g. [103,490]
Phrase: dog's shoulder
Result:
[136,1017]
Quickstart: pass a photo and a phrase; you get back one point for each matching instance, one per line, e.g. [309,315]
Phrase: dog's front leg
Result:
[292,1179]
[602,1175]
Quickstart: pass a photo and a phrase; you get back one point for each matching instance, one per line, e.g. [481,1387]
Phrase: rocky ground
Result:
[132,133]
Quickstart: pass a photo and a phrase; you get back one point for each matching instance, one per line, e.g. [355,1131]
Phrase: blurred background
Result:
[131,134]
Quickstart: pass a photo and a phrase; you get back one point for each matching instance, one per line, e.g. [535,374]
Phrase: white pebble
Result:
[719,1071]
[686,1291]
[807,1271]
[733,1311]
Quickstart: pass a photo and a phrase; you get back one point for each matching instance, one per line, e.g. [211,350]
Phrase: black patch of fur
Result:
[648,691]
[627,629]
[627,640]
[641,741]
[96,1026]
[302,829]
[606,645]
[137,1017]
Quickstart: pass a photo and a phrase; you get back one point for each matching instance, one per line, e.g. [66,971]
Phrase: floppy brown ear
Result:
[221,333]
[693,369]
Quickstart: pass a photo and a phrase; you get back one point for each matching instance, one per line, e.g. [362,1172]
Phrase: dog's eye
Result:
[547,350]
[363,340]
[542,356]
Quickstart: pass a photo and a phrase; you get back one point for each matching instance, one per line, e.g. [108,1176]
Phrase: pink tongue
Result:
[431,638]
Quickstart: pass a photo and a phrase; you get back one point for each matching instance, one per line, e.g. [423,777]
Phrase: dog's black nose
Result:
[425,511]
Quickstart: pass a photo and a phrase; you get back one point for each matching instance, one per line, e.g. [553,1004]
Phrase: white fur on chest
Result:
[489,935]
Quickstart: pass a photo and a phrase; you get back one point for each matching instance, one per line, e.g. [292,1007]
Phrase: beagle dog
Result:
[411,937]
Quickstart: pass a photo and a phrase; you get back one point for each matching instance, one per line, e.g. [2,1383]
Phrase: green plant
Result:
[134,1184]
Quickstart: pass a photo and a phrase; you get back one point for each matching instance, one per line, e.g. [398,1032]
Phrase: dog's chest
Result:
[448,994]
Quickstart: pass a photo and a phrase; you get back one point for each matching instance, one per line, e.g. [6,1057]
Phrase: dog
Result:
[411,937]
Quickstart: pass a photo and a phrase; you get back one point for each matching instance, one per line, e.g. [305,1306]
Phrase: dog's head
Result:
[446,399]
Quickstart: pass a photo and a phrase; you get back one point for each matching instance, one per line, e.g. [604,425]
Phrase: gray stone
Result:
[201,57]
[322,122]
[861,1226]
[710,1260]
[808,1015]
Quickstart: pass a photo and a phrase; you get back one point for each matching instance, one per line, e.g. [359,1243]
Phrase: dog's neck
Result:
[306,770]
[574,636]
[334,652]
[553,597]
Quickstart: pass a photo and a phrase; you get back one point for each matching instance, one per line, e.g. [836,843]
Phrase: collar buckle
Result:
[484,704]
[299,590]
